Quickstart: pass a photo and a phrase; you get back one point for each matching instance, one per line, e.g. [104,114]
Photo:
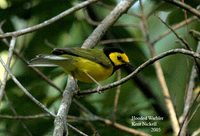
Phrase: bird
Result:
[85,65]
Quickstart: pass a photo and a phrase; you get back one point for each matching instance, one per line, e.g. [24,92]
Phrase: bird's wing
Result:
[90,54]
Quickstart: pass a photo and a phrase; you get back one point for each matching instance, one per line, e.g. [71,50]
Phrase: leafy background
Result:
[71,31]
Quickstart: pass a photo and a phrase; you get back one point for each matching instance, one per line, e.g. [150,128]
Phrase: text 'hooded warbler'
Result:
[86,65]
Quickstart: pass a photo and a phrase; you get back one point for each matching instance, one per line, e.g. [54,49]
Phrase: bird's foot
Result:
[98,89]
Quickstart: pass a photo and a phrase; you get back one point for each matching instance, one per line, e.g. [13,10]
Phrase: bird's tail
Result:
[46,61]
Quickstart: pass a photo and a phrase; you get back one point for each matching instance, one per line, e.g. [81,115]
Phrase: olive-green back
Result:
[95,55]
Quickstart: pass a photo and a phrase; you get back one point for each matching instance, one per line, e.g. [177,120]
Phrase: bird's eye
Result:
[119,57]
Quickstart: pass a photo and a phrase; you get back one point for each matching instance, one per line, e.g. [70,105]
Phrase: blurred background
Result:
[71,31]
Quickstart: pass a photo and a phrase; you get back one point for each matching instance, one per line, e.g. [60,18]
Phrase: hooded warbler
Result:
[86,65]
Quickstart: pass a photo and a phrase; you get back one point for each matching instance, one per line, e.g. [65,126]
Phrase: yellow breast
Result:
[97,71]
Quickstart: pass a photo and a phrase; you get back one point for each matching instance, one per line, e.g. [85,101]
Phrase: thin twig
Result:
[183,41]
[160,75]
[141,83]
[147,91]
[195,34]
[177,36]
[8,63]
[174,27]
[77,130]
[122,40]
[24,117]
[186,120]
[82,107]
[108,122]
[48,22]
[16,114]
[89,114]
[90,42]
[37,116]
[116,125]
[24,89]
[122,127]
[195,110]
[111,8]
[96,23]
[97,34]
[185,6]
[44,78]
[140,68]
[189,96]
[108,41]
[92,127]
[116,99]
[196,132]
[60,120]
[155,9]
[186,17]
[38,72]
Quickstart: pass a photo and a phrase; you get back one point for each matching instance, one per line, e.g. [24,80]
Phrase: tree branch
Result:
[147,91]
[97,34]
[160,75]
[183,41]
[140,68]
[5,76]
[195,34]
[122,40]
[188,119]
[89,20]
[122,127]
[174,27]
[60,120]
[185,6]
[48,22]
[116,99]
[189,96]
[36,70]
[92,117]
[24,89]
[16,114]
[90,42]
[24,117]
[196,132]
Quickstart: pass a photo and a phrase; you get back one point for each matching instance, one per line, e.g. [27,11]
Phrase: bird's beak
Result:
[129,67]
[128,64]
